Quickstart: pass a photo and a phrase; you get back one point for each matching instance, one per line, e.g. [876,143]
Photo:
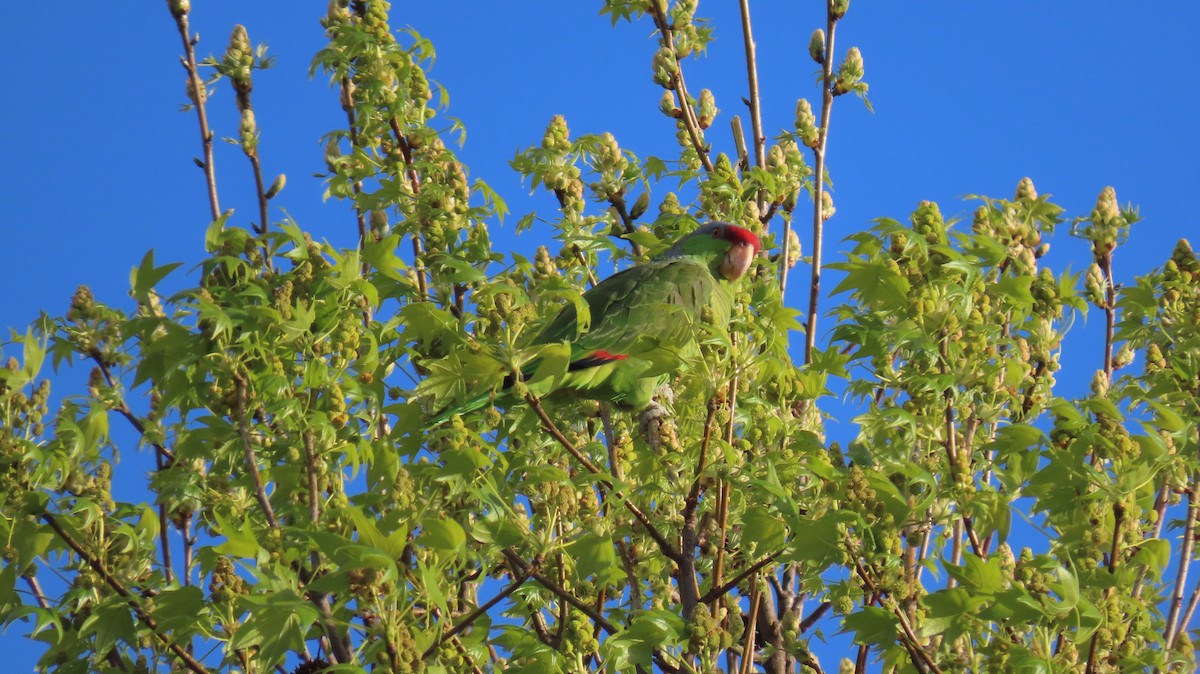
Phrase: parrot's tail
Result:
[474,404]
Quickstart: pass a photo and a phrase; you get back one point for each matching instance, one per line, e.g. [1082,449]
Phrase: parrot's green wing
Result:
[648,311]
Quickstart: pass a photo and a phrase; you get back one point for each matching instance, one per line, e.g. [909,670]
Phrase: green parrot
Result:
[644,320]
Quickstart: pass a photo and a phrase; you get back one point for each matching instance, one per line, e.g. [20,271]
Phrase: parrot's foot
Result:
[656,425]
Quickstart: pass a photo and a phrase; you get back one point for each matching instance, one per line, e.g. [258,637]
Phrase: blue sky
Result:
[969,97]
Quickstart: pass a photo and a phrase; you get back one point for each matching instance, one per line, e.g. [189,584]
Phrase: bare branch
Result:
[1185,556]
[814,291]
[196,90]
[760,140]
[717,592]
[751,628]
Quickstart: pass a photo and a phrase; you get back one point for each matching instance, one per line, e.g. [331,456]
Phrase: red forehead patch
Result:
[735,234]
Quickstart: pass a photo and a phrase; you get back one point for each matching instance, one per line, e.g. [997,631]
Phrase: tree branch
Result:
[260,490]
[814,291]
[1185,556]
[685,105]
[751,627]
[196,91]
[414,181]
[717,592]
[760,141]
[480,610]
[910,641]
[668,550]
[146,619]
[566,595]
[816,615]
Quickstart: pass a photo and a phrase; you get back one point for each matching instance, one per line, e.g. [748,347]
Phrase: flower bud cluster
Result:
[786,165]
[850,74]
[816,45]
[1172,345]
[1106,227]
[179,8]
[664,67]
[720,191]
[689,34]
[610,163]
[806,124]
[1019,225]
[706,109]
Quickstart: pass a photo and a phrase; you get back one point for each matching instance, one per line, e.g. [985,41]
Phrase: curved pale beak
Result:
[737,261]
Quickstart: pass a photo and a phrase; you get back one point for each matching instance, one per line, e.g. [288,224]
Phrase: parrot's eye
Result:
[717,232]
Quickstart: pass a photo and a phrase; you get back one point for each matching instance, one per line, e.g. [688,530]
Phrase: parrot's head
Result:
[728,248]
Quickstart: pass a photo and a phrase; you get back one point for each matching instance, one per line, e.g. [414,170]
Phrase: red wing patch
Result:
[595,359]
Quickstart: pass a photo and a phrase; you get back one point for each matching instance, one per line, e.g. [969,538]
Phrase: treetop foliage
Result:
[301,514]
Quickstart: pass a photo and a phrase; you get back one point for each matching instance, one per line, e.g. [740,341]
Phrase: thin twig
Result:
[910,641]
[163,457]
[243,429]
[336,645]
[347,96]
[689,586]
[812,618]
[123,409]
[760,140]
[1186,618]
[196,87]
[414,181]
[1118,521]
[189,543]
[618,202]
[1185,556]
[814,291]
[36,589]
[665,546]
[685,104]
[479,611]
[144,617]
[719,591]
[1110,312]
[751,627]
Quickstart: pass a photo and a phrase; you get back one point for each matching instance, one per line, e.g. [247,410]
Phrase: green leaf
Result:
[818,541]
[369,534]
[145,276]
[212,235]
[1166,418]
[978,576]
[872,281]
[634,646]
[276,623]
[1015,289]
[442,534]
[180,611]
[381,255]
[1154,554]
[240,540]
[948,609]
[110,624]
[594,555]
[871,626]
[761,530]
